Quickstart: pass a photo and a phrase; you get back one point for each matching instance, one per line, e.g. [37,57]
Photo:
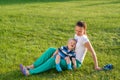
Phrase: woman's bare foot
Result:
[98,68]
[30,67]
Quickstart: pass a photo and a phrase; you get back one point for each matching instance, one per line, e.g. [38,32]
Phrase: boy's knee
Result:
[67,58]
[73,59]
[57,56]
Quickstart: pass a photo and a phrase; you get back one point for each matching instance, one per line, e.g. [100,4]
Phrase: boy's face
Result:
[71,44]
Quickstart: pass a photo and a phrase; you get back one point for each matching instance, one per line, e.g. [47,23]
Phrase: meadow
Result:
[29,27]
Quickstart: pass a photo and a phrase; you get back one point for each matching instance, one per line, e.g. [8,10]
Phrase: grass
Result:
[28,28]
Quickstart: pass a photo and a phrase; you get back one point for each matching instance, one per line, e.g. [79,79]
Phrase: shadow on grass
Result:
[17,75]
[9,2]
[12,75]
[48,75]
[102,3]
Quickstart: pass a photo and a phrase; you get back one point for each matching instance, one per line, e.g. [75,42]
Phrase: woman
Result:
[46,62]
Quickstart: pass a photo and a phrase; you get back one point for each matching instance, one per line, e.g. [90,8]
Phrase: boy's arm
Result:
[56,52]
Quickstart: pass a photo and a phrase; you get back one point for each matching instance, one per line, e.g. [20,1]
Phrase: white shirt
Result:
[80,48]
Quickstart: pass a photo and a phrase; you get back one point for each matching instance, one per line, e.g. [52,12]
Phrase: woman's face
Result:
[79,30]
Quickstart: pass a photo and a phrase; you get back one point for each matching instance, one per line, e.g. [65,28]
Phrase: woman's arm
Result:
[91,49]
[56,52]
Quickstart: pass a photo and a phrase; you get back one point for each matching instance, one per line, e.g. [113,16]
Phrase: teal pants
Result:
[46,62]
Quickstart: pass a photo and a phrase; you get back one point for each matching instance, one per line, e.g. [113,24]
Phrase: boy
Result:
[67,53]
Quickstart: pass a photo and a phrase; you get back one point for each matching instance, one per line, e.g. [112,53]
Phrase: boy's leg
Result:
[44,57]
[67,60]
[49,64]
[68,63]
[74,63]
[57,61]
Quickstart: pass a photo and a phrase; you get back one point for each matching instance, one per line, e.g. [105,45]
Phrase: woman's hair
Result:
[82,24]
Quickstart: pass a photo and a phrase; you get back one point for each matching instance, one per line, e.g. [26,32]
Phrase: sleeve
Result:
[62,47]
[73,55]
[75,37]
[85,39]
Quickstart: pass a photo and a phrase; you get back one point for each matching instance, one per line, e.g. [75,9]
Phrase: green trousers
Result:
[46,62]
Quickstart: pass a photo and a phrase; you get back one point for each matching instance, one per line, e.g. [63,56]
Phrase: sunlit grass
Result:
[28,28]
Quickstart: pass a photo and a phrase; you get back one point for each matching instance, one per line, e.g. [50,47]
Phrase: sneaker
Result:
[69,67]
[108,67]
[58,68]
[21,68]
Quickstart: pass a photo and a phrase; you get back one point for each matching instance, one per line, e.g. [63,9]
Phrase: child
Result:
[67,53]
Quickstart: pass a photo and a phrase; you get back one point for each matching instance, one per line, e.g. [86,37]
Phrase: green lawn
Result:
[28,28]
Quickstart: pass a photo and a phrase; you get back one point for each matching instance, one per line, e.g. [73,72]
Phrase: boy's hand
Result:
[53,56]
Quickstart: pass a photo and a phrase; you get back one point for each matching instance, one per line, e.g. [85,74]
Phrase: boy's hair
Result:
[72,39]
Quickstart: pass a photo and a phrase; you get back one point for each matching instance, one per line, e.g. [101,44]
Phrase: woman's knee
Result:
[52,49]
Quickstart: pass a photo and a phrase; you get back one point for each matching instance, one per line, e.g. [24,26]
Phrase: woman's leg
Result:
[44,57]
[64,64]
[78,64]
[49,64]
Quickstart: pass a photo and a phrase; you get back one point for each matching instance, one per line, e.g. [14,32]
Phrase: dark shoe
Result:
[108,67]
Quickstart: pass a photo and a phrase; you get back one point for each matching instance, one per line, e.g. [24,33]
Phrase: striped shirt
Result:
[64,52]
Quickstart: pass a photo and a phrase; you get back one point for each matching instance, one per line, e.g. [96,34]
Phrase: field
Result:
[29,27]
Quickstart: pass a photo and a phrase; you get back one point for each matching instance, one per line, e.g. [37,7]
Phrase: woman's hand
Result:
[98,68]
